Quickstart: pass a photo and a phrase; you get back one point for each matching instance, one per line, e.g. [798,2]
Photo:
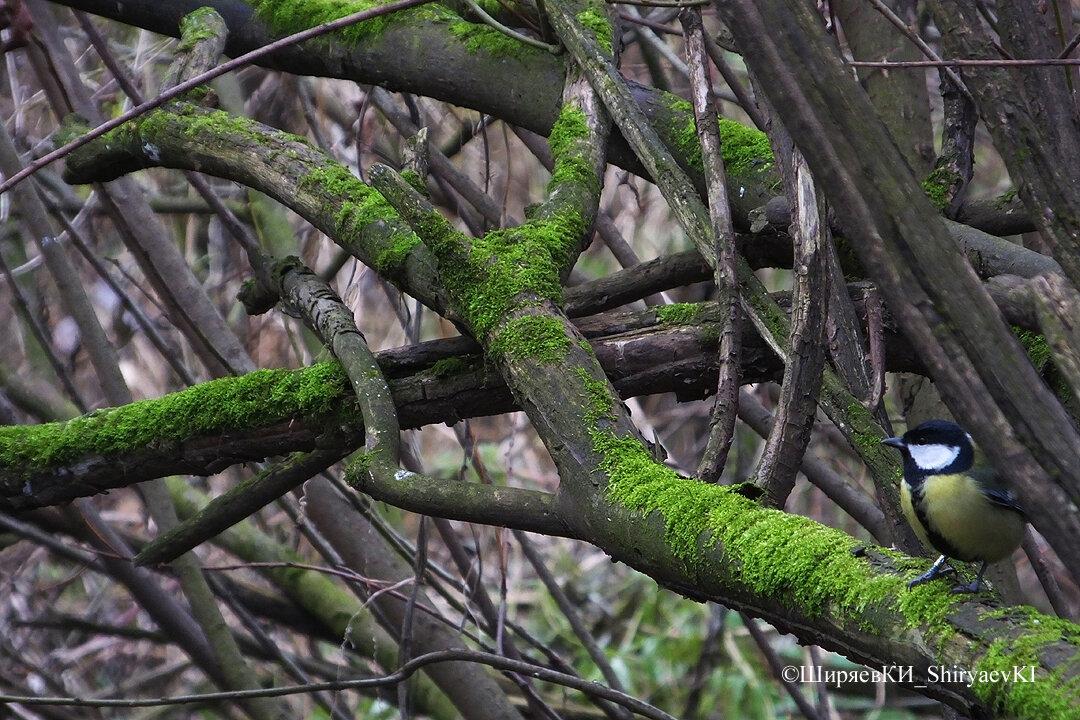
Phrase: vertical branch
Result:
[725,273]
[790,434]
[1058,307]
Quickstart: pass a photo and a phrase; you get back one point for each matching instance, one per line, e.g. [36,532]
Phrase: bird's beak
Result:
[894,442]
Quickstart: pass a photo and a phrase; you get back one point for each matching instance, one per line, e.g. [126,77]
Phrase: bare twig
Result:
[725,272]
[403,673]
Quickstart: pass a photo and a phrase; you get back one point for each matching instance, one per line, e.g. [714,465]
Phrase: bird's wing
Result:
[991,488]
[1003,498]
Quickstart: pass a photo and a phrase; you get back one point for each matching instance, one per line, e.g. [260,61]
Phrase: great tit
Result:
[954,504]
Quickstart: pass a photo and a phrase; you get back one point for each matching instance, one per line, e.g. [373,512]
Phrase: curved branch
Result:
[283,166]
[462,79]
[469,502]
[400,675]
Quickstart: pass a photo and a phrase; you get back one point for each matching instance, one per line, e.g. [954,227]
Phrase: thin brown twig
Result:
[661,3]
[965,62]
[403,673]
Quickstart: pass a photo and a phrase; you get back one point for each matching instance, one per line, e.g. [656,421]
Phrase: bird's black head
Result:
[936,447]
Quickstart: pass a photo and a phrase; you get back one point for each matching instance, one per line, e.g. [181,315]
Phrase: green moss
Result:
[939,186]
[72,127]
[357,205]
[540,337]
[599,402]
[743,149]
[677,313]
[594,19]
[449,366]
[254,400]
[391,260]
[776,554]
[196,26]
[1054,695]
[478,37]
[506,269]
[510,269]
[683,134]
[413,178]
[1038,349]
[570,166]
[926,606]
[291,16]
[199,122]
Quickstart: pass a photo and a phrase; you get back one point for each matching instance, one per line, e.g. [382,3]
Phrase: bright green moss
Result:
[253,400]
[743,149]
[677,313]
[559,234]
[540,337]
[939,184]
[926,606]
[1055,695]
[684,135]
[599,403]
[639,483]
[569,126]
[197,26]
[291,16]
[478,37]
[774,553]
[360,204]
[413,178]
[570,166]
[200,122]
[1038,349]
[594,19]
[392,259]
[505,269]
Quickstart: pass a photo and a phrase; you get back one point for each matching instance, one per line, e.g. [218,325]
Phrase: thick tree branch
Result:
[1038,138]
[931,290]
[441,381]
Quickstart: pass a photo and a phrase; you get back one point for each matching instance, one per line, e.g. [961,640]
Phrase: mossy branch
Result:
[281,165]
[862,431]
[310,296]
[1058,308]
[229,421]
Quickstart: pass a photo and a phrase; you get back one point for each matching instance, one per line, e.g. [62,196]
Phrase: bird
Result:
[954,502]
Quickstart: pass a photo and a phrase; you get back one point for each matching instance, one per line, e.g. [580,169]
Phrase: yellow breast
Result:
[957,512]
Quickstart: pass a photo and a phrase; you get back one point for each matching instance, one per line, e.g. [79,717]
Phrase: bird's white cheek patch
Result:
[933,457]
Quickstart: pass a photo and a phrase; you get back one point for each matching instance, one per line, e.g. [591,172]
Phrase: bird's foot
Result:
[969,589]
[936,570]
[972,587]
